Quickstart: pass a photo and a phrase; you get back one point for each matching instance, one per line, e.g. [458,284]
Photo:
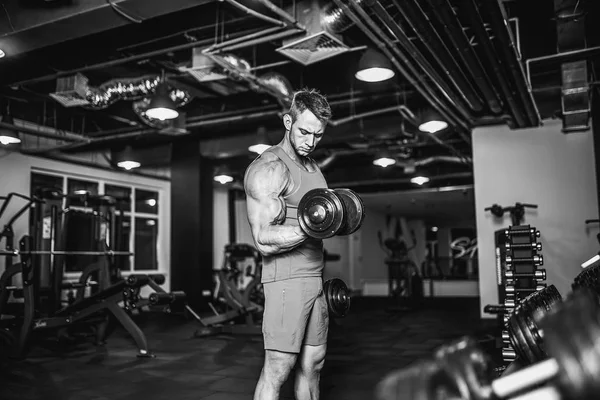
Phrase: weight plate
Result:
[588,278]
[337,296]
[571,333]
[522,325]
[320,213]
[354,211]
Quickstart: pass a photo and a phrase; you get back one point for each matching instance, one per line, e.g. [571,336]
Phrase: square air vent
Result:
[313,48]
[71,91]
[204,69]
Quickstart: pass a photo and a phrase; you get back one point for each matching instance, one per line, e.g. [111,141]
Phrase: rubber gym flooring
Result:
[362,348]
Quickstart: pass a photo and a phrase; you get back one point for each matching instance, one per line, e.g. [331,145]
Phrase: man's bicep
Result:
[264,187]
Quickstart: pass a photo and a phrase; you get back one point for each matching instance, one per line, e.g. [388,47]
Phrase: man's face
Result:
[305,133]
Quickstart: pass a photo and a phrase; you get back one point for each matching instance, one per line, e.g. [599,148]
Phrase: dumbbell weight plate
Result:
[354,211]
[522,325]
[337,296]
[588,278]
[321,213]
[571,334]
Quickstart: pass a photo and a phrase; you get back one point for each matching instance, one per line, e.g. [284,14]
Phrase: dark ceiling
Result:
[453,57]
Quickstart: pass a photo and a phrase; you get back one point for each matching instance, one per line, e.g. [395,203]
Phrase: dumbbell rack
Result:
[518,262]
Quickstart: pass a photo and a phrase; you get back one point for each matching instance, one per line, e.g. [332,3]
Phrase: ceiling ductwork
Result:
[74,91]
[322,21]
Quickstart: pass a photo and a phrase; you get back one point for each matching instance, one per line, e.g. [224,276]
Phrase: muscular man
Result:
[296,318]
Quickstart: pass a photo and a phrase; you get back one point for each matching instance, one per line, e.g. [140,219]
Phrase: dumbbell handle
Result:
[537,259]
[533,246]
[546,393]
[527,377]
[538,274]
[512,289]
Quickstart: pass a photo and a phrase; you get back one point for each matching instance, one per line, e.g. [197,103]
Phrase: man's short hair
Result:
[312,100]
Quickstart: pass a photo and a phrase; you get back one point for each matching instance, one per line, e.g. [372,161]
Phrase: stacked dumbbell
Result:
[461,370]
[324,213]
[522,276]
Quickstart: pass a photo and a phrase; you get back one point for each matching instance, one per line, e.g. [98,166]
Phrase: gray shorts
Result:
[295,314]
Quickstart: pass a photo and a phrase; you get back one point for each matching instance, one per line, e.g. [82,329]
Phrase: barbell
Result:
[324,213]
[462,370]
[16,253]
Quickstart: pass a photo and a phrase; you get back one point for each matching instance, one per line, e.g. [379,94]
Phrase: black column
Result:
[596,135]
[231,197]
[191,222]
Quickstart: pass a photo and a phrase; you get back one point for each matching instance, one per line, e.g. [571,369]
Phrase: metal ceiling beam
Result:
[35,28]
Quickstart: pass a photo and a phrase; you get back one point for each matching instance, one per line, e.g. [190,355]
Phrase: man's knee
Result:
[313,358]
[278,366]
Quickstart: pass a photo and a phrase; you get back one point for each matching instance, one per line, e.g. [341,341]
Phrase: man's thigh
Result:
[317,326]
[288,305]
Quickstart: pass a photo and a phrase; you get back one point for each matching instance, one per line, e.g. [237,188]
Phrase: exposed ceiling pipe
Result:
[255,14]
[425,90]
[335,18]
[412,75]
[366,114]
[291,20]
[476,23]
[507,47]
[44,131]
[415,16]
[239,35]
[443,11]
[454,97]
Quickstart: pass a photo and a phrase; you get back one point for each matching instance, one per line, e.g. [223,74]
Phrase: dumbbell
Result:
[522,327]
[462,370]
[536,259]
[324,213]
[337,296]
[539,274]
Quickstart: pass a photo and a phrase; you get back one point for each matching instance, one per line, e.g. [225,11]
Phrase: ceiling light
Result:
[8,136]
[374,67]
[262,141]
[384,162]
[81,191]
[419,180]
[434,228]
[162,107]
[223,179]
[127,160]
[433,126]
[2,53]
[258,148]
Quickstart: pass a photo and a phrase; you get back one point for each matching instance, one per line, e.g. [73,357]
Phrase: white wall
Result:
[541,166]
[15,173]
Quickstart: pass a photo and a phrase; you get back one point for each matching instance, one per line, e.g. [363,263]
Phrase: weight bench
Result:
[104,301]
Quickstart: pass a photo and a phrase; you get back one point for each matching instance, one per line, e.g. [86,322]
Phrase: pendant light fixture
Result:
[374,67]
[162,107]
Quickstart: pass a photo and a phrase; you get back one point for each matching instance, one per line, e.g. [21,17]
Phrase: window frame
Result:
[160,216]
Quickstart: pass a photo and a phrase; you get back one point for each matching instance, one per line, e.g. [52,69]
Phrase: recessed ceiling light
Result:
[2,53]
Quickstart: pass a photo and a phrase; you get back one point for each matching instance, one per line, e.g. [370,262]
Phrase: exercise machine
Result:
[42,269]
[405,285]
[237,306]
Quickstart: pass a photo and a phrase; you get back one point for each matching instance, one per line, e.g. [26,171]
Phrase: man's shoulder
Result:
[267,169]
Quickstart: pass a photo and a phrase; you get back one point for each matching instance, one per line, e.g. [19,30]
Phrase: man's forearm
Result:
[275,239]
